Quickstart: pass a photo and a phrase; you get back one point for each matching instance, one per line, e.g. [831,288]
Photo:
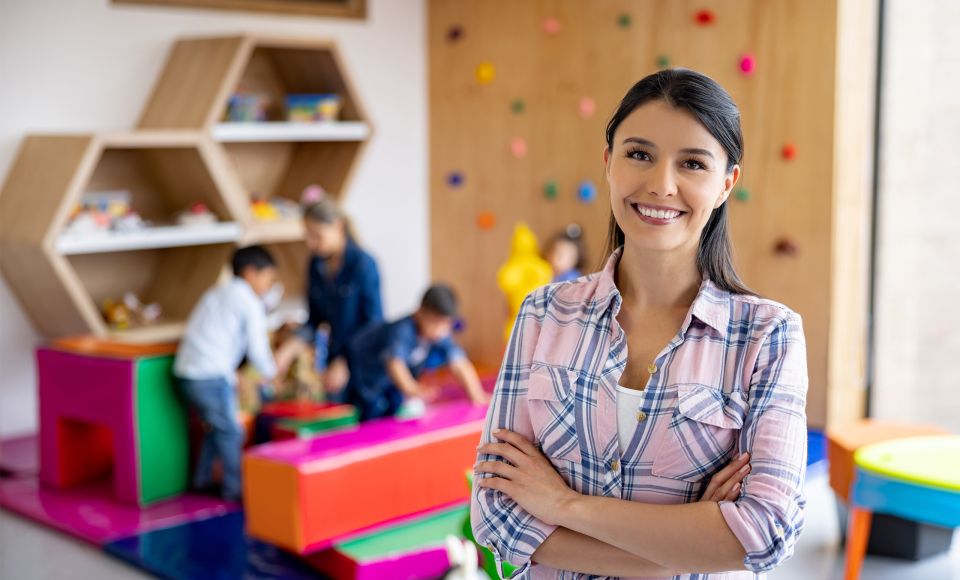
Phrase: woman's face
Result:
[324,240]
[666,174]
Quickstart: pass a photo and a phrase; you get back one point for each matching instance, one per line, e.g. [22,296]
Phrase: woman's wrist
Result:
[569,509]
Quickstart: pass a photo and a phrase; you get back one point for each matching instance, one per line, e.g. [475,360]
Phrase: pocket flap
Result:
[706,404]
[551,383]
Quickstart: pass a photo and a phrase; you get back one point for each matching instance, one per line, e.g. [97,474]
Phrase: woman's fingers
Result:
[726,475]
[505,450]
[517,440]
[496,468]
[724,492]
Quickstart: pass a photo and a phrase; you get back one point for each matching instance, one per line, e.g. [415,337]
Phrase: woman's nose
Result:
[662,181]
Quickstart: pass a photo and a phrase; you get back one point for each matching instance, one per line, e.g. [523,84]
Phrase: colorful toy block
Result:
[117,414]
[303,494]
[272,414]
[411,550]
[335,417]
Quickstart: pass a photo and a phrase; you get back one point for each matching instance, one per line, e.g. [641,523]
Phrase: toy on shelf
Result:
[273,209]
[523,272]
[248,108]
[101,212]
[130,311]
[312,108]
[312,194]
[197,215]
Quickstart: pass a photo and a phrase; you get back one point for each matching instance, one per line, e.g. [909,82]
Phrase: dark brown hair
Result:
[715,110]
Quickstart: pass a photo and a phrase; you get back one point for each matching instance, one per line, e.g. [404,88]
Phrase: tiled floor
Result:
[30,552]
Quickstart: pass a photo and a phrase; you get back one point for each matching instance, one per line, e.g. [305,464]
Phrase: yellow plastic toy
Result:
[524,271]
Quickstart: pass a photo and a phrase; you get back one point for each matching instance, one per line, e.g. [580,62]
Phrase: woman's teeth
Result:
[663,214]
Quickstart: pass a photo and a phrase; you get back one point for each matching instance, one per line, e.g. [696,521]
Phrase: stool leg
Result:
[858,535]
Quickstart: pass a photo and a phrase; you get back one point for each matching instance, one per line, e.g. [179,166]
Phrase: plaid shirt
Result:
[733,380]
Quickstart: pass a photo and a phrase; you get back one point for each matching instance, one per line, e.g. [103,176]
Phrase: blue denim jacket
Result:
[348,302]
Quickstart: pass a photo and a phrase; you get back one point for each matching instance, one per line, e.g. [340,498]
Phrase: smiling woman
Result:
[659,394]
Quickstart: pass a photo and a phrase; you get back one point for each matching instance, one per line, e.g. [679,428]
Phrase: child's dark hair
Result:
[573,233]
[440,299]
[256,257]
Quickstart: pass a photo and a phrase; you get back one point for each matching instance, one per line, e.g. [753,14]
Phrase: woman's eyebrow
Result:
[652,145]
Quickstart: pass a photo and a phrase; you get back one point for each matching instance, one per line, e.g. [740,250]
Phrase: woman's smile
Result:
[657,215]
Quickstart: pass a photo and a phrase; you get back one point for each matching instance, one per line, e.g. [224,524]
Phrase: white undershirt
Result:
[628,402]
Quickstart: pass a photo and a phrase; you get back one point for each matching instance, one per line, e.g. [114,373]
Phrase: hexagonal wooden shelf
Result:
[182,153]
[275,157]
[62,279]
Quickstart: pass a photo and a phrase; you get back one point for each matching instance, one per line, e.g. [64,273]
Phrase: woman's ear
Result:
[729,181]
[606,161]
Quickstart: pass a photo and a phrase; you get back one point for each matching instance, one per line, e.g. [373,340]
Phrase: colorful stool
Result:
[112,413]
[917,478]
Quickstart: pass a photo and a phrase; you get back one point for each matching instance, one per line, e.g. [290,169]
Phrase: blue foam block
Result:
[208,549]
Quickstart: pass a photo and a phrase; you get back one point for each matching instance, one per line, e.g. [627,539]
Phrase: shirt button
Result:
[641,416]
[614,465]
[651,368]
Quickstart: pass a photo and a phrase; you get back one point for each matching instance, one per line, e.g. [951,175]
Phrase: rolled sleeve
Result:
[767,519]
[511,533]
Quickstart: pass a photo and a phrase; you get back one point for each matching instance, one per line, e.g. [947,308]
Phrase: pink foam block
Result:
[20,456]
[93,390]
[92,514]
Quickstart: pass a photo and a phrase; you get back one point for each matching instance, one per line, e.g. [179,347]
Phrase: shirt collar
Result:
[711,306]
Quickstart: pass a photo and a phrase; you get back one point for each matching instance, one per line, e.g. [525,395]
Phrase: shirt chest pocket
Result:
[551,394]
[702,433]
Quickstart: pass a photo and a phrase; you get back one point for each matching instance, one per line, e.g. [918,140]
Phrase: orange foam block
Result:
[303,494]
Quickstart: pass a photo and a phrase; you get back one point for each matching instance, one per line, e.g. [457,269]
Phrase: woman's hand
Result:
[725,484]
[529,478]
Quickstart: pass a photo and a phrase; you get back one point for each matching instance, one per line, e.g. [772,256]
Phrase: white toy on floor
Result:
[463,561]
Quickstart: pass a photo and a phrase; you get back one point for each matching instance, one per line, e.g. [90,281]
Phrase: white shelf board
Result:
[149,238]
[284,131]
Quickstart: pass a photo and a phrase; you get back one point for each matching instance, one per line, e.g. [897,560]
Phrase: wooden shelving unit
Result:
[274,158]
[182,153]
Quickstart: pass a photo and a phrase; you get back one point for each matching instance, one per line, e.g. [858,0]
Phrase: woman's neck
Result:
[651,280]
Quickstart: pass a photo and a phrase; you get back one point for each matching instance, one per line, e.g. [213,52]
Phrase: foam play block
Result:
[302,494]
[92,513]
[215,548]
[843,441]
[272,413]
[411,550]
[335,417]
[20,456]
[121,415]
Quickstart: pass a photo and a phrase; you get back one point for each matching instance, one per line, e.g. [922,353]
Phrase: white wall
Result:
[918,278]
[75,65]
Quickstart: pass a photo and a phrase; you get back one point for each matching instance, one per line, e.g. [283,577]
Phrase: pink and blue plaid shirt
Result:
[733,380]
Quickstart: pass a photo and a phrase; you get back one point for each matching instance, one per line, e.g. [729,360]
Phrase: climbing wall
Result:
[520,93]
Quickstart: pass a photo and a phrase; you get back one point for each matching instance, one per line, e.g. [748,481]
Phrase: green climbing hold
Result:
[550,190]
[518,106]
[741,194]
[663,61]
[624,20]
